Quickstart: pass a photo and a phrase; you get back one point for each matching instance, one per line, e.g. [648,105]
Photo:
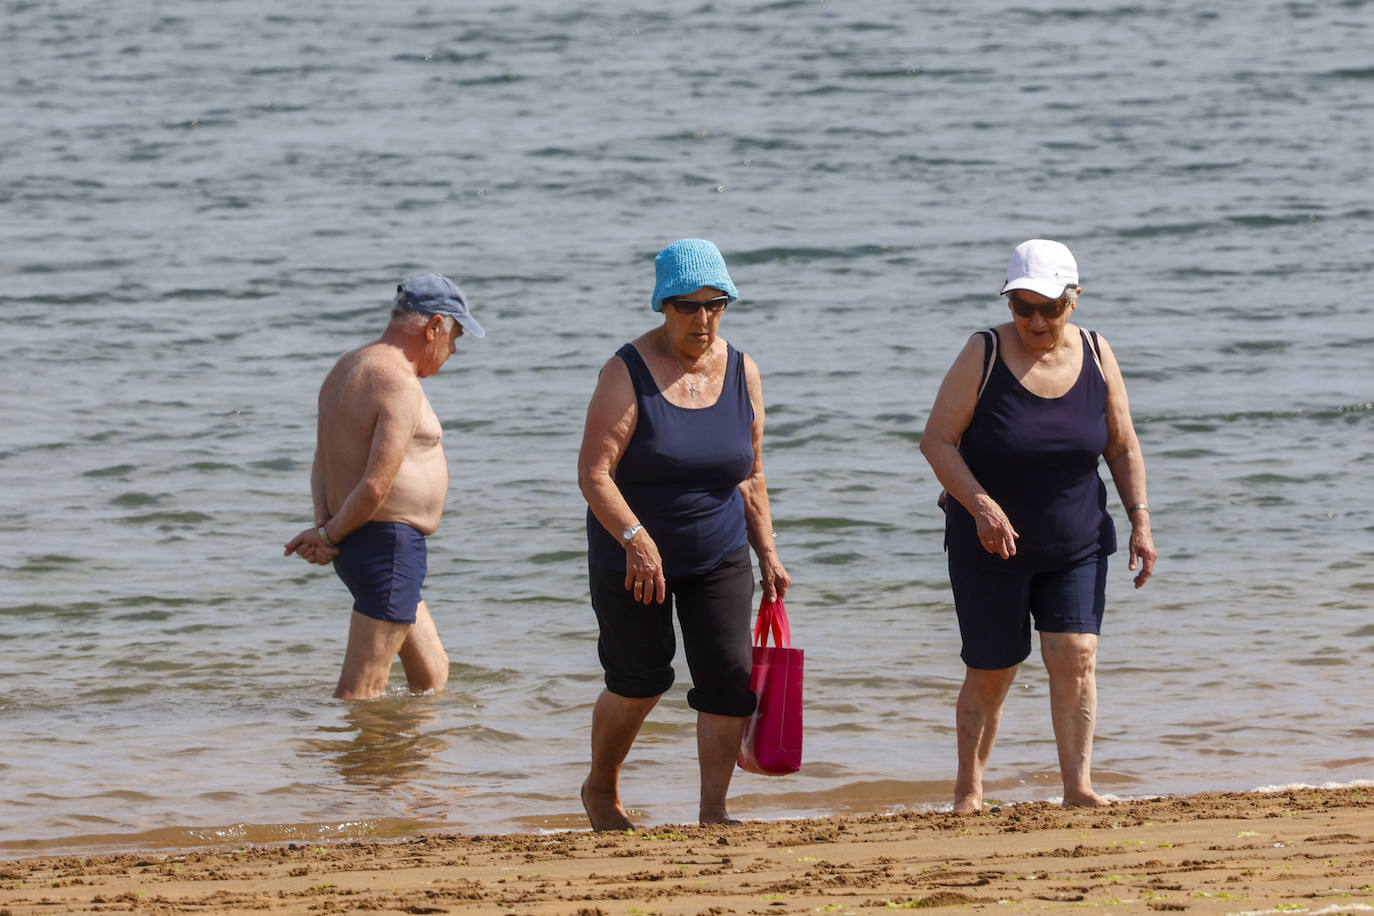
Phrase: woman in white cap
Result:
[671,467]
[1014,436]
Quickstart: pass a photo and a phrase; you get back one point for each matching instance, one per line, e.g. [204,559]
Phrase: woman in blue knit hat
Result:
[671,466]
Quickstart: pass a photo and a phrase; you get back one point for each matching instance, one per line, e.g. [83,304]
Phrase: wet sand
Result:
[1305,850]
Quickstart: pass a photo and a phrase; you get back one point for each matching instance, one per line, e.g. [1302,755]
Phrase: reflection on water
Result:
[380,743]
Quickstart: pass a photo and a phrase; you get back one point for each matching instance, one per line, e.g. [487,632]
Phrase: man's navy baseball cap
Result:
[435,294]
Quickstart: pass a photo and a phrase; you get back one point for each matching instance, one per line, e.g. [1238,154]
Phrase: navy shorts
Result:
[383,564]
[996,607]
[715,612]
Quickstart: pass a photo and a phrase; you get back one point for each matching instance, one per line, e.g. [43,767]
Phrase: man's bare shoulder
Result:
[376,366]
[370,380]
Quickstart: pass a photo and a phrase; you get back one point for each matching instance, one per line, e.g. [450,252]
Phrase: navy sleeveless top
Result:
[681,473]
[1038,458]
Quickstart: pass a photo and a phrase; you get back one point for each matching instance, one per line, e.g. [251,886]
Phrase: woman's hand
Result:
[995,532]
[1142,548]
[644,570]
[773,578]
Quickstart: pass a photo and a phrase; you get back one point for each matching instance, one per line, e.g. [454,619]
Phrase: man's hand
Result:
[308,546]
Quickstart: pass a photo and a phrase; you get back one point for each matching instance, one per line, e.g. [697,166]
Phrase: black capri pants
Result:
[714,609]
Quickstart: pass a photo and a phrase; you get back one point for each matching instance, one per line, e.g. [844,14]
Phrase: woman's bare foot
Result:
[714,814]
[604,811]
[1088,799]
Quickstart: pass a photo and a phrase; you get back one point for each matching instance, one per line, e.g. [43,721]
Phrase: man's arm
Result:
[398,410]
[315,551]
[317,494]
[397,401]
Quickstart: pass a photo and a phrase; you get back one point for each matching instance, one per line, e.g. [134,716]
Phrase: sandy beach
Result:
[1304,850]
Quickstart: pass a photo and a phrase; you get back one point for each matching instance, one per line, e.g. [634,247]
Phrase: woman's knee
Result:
[1073,654]
[987,685]
[639,685]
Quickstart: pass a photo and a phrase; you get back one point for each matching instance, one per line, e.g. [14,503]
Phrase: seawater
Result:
[207,202]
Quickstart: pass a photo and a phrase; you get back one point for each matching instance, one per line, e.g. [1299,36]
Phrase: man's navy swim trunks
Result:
[383,564]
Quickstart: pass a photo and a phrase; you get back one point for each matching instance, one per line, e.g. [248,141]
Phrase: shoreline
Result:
[1290,850]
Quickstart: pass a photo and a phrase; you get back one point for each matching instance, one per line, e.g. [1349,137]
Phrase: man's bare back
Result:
[371,405]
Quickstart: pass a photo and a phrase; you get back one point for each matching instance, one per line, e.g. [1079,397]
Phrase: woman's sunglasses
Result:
[689,306]
[1048,310]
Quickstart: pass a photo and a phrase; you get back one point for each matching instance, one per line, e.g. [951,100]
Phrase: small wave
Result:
[499,79]
[554,152]
[81,609]
[164,601]
[198,837]
[142,617]
[782,6]
[1265,220]
[1299,786]
[822,523]
[556,557]
[168,518]
[883,74]
[1320,661]
[47,562]
[1209,422]
[206,467]
[784,255]
[115,470]
[62,267]
[1254,346]
[1154,231]
[137,499]
[1351,73]
[831,89]
[940,161]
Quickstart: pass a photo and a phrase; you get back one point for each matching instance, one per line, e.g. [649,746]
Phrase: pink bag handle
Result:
[773,616]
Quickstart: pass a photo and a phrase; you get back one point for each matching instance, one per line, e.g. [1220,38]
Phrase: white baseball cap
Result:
[1043,267]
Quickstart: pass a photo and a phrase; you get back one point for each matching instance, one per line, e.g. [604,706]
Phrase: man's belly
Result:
[418,494]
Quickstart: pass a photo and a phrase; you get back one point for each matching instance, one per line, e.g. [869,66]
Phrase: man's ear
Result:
[433,326]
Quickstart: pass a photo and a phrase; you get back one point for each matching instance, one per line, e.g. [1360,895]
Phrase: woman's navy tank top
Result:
[1038,458]
[681,473]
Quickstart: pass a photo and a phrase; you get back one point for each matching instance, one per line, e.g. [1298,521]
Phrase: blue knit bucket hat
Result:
[686,266]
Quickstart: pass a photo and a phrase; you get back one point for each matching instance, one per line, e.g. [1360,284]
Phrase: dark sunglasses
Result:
[689,306]
[1048,310]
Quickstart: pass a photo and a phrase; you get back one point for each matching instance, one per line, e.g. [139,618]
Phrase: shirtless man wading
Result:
[379,482]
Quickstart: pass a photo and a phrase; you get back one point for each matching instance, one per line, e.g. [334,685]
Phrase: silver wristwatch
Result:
[324,537]
[629,533]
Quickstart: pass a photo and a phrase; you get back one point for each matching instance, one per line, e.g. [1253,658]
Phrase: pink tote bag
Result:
[772,743]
